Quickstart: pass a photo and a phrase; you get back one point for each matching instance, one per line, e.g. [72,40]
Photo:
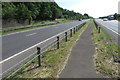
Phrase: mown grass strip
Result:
[105,49]
[53,60]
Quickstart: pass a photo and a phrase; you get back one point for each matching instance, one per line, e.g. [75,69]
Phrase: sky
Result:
[95,8]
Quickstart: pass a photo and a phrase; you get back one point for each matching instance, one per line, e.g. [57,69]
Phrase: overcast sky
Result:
[95,8]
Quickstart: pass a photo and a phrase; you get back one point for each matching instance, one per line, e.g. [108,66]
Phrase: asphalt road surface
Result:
[112,27]
[17,42]
[80,63]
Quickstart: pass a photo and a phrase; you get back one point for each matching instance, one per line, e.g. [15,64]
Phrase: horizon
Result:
[95,9]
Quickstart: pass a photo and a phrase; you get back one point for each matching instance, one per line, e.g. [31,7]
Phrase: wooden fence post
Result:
[39,58]
[57,42]
[70,32]
[65,36]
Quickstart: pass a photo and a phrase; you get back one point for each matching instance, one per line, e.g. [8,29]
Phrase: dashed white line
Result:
[31,34]
[30,30]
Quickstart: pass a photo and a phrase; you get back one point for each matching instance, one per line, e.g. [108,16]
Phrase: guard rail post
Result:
[65,36]
[79,27]
[70,32]
[74,30]
[57,42]
[39,58]
[96,25]
[99,30]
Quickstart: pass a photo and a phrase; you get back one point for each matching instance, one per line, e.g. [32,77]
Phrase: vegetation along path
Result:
[80,63]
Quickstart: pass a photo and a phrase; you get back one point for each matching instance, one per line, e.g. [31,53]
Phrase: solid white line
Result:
[35,45]
[19,62]
[24,50]
[31,34]
[111,30]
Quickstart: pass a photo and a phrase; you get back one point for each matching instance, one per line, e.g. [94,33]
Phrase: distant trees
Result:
[23,13]
[86,16]
[103,17]
[117,16]
[56,13]
[8,10]
[37,11]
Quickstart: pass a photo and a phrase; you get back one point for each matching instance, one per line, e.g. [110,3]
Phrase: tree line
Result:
[37,11]
[116,17]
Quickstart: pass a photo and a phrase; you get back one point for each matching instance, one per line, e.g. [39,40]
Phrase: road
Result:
[17,42]
[17,47]
[112,27]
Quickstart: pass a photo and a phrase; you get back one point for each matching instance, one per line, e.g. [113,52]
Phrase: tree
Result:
[86,16]
[46,11]
[116,16]
[8,10]
[33,7]
[23,13]
[37,11]
[56,12]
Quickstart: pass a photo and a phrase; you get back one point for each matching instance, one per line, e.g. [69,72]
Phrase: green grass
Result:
[29,28]
[0,32]
[17,30]
[53,60]
[105,34]
[105,48]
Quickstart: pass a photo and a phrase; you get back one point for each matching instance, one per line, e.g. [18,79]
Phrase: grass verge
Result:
[53,60]
[105,49]
[29,28]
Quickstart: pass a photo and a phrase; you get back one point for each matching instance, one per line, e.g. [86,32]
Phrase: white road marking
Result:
[56,27]
[26,30]
[30,30]
[31,34]
[111,30]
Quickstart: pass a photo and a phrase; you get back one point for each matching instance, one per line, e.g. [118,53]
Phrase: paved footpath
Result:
[80,63]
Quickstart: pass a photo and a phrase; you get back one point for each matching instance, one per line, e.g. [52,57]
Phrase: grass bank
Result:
[53,60]
[29,28]
[105,50]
